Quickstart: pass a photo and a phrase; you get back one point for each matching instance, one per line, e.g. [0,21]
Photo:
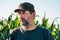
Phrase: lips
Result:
[22,20]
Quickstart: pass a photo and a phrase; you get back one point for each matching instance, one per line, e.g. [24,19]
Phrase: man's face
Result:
[25,17]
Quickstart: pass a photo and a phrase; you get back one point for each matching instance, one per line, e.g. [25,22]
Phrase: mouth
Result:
[24,22]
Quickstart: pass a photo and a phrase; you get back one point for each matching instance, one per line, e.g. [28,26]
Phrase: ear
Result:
[33,15]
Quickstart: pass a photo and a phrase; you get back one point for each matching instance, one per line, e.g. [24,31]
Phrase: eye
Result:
[23,12]
[19,13]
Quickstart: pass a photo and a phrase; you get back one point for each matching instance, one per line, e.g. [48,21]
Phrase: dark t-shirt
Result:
[36,34]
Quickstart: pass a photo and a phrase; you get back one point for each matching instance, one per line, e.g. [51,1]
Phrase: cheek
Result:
[28,17]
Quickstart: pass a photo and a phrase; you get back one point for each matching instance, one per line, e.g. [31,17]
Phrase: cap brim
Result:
[17,10]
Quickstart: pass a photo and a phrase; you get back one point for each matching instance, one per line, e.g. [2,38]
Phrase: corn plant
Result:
[7,24]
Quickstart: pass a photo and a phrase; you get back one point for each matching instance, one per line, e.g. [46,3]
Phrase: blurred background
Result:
[47,15]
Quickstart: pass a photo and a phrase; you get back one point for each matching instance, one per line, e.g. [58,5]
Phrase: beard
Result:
[24,22]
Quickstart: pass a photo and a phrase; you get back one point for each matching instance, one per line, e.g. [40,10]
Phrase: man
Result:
[28,30]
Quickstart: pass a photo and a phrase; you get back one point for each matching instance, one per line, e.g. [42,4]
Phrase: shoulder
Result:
[46,33]
[13,33]
[15,30]
[42,29]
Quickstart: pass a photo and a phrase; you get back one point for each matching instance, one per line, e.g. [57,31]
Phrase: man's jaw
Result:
[24,22]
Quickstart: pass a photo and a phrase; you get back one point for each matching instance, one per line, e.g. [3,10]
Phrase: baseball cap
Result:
[25,6]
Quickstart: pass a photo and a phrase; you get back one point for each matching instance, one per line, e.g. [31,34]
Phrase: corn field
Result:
[7,24]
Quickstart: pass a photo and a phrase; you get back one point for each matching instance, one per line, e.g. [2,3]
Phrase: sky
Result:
[50,7]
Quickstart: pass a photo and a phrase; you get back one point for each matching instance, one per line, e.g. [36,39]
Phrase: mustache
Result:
[24,20]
